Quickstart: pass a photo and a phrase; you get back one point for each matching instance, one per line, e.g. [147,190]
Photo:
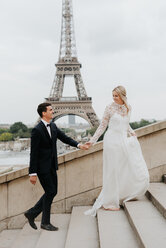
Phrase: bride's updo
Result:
[121,91]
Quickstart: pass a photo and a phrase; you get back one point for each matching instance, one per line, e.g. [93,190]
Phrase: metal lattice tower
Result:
[68,65]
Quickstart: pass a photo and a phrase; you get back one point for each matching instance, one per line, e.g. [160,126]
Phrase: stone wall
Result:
[79,178]
[153,143]
[17,145]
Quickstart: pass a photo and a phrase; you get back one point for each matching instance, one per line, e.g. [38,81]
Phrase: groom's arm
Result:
[65,139]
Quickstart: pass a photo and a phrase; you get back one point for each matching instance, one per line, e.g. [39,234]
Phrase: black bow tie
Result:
[48,125]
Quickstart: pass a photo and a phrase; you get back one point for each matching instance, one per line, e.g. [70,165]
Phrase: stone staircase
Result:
[141,224]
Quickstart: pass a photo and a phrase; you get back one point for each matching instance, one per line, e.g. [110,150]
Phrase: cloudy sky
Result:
[119,42]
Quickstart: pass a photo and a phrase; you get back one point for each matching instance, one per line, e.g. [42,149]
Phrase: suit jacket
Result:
[43,147]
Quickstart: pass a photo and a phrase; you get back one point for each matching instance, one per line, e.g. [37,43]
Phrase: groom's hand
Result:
[33,179]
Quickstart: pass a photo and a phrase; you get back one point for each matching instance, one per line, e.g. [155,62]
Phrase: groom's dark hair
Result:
[42,107]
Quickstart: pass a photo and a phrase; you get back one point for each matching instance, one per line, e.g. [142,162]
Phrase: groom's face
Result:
[49,113]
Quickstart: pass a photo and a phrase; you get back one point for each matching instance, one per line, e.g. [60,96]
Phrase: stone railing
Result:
[153,143]
[79,178]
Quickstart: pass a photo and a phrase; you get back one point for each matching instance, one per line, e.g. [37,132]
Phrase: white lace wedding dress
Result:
[125,174]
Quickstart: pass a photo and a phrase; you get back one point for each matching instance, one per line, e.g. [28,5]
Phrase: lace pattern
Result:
[109,111]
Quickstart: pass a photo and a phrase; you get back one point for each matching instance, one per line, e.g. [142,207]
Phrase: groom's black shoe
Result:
[49,227]
[30,220]
[122,206]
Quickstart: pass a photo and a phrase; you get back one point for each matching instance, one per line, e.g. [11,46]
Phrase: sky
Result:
[120,42]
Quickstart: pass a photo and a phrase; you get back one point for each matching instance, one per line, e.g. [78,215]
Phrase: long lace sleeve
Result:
[104,123]
[130,130]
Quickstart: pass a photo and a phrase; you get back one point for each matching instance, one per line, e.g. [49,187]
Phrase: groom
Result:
[43,164]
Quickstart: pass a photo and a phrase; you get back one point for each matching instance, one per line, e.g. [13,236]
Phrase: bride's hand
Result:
[83,147]
[89,144]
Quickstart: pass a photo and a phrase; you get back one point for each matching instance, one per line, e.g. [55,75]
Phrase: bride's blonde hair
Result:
[121,91]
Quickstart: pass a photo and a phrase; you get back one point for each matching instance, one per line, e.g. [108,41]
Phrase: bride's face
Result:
[117,98]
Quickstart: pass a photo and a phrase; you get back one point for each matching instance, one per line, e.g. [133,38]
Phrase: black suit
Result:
[43,161]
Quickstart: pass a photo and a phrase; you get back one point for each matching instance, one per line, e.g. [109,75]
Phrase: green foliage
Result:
[21,134]
[65,130]
[6,137]
[4,130]
[30,130]
[69,130]
[17,130]
[18,127]
[141,123]
[92,131]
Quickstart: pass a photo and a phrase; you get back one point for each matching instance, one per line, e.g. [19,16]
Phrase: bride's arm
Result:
[130,130]
[104,123]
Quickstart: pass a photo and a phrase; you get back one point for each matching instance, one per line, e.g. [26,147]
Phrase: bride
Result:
[125,174]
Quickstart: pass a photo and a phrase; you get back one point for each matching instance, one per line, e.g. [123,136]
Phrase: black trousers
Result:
[49,183]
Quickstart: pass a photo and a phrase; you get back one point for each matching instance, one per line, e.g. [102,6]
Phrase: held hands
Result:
[85,146]
[88,144]
[33,179]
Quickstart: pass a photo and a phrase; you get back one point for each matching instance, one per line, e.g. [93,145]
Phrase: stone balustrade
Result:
[79,178]
[152,139]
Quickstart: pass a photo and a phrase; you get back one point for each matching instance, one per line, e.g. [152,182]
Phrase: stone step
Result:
[157,194]
[115,230]
[57,238]
[82,230]
[148,224]
[28,237]
[7,237]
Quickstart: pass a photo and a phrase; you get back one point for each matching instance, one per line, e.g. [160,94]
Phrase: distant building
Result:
[5,126]
[72,120]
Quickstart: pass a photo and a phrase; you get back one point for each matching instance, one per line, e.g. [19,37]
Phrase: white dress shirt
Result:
[47,127]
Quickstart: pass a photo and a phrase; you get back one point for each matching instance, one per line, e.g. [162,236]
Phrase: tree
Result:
[18,127]
[18,130]
[4,130]
[141,123]
[22,134]
[93,130]
[6,137]
[69,131]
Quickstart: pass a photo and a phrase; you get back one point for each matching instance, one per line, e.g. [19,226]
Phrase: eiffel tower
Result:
[68,66]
